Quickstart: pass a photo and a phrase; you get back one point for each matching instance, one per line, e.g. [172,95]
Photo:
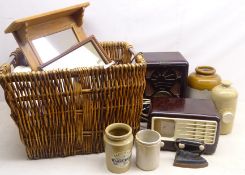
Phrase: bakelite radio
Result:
[166,74]
[193,119]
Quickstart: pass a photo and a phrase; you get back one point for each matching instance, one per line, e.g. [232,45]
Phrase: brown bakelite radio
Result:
[193,119]
[166,74]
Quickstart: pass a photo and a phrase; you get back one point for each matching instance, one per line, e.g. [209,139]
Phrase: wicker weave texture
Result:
[64,112]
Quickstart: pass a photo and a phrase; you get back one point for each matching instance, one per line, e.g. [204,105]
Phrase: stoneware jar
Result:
[148,144]
[202,82]
[225,99]
[118,141]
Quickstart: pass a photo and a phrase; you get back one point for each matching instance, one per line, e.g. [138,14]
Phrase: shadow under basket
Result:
[64,112]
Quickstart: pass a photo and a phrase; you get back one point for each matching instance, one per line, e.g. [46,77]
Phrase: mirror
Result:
[50,46]
[42,37]
[88,53]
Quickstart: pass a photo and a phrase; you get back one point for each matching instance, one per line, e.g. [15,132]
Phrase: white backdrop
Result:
[206,32]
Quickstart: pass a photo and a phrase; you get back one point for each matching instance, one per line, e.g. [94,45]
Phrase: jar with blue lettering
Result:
[118,142]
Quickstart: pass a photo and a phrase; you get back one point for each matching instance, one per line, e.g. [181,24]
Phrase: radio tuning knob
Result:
[201,147]
[181,145]
[162,144]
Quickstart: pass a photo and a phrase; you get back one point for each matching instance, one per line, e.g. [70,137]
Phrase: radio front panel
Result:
[173,128]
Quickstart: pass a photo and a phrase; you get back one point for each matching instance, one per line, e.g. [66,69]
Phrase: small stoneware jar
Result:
[118,142]
[225,99]
[202,82]
[148,144]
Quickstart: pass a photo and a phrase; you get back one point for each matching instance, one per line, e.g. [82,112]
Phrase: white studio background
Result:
[206,32]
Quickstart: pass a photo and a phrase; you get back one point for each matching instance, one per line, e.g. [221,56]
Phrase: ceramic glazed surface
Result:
[202,81]
[148,144]
[225,98]
[118,141]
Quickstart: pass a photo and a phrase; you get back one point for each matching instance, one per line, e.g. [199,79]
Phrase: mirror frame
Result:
[27,29]
[48,34]
[91,39]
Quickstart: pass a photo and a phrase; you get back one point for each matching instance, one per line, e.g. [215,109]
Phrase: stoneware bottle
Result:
[225,99]
[202,82]
[118,141]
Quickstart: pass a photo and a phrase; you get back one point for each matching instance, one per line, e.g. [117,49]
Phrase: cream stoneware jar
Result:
[118,141]
[148,144]
[225,99]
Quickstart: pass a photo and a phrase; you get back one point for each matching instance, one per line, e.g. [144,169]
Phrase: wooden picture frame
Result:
[28,29]
[78,59]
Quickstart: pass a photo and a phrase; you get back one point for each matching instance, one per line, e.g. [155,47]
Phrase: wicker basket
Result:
[62,113]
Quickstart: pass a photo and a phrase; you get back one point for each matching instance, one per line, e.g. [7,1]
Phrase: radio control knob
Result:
[162,144]
[201,147]
[181,145]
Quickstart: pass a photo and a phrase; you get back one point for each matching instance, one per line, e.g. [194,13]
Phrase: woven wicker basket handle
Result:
[138,56]
[5,69]
[18,58]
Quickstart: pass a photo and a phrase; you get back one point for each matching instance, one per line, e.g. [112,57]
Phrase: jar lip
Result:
[226,83]
[115,126]
[205,70]
[157,139]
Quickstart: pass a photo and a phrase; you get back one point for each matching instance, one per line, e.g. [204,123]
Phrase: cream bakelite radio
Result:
[192,119]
